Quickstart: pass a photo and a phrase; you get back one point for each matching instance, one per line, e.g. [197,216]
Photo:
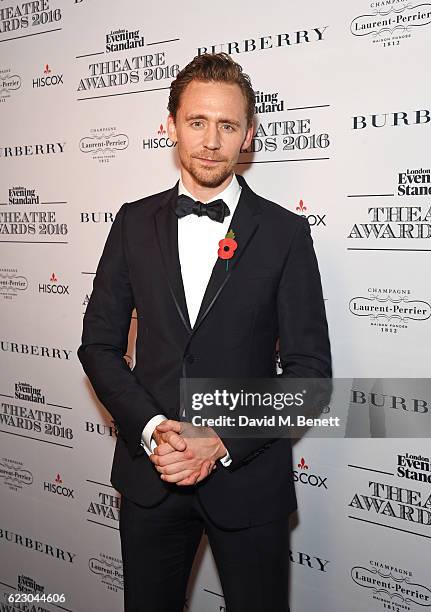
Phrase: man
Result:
[203,312]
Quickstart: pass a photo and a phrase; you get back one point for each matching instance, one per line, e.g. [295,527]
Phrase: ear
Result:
[248,138]
[172,130]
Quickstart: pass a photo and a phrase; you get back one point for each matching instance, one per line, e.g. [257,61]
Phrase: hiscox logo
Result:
[54,287]
[103,144]
[303,476]
[314,219]
[8,83]
[393,119]
[57,487]
[389,25]
[48,79]
[161,141]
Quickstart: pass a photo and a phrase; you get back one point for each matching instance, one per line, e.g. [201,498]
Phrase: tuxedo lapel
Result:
[167,236]
[244,223]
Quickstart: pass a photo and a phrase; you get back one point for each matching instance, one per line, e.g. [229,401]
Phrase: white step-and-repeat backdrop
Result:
[343,137]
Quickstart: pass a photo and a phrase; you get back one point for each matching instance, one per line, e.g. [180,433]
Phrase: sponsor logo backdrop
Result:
[343,130]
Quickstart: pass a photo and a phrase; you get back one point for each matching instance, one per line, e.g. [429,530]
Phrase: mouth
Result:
[209,162]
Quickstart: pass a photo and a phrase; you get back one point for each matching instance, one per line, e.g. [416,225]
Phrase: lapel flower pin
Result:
[227,247]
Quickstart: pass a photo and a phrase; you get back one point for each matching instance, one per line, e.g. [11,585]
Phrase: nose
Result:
[212,137]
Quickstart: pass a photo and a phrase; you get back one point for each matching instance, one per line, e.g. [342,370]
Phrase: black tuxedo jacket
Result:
[271,291]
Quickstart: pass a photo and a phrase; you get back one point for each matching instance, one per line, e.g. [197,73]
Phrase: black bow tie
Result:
[216,210]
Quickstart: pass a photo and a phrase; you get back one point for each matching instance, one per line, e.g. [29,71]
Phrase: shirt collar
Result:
[230,194]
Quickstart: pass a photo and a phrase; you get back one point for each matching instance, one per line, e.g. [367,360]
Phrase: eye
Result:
[196,123]
[227,127]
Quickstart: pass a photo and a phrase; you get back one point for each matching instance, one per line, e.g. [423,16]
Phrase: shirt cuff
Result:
[147,440]
[226,460]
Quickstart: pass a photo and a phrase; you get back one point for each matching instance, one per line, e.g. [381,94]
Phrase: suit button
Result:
[190,358]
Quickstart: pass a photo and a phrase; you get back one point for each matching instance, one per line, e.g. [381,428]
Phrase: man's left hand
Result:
[204,447]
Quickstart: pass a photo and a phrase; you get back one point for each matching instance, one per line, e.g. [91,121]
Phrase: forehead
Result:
[213,98]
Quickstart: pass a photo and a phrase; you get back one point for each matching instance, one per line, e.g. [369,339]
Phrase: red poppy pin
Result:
[227,247]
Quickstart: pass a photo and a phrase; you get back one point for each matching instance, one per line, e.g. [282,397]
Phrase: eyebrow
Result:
[197,116]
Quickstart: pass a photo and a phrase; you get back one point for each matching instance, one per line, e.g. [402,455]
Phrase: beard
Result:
[209,176]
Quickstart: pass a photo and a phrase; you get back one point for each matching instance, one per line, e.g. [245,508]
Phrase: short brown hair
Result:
[218,67]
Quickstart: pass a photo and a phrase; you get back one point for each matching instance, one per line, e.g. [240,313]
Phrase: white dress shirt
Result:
[198,239]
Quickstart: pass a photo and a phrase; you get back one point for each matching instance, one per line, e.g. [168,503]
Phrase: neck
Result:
[200,192]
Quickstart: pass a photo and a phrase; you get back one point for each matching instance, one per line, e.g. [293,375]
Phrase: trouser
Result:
[158,545]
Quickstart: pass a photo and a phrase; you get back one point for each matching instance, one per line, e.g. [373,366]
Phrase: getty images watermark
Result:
[316,407]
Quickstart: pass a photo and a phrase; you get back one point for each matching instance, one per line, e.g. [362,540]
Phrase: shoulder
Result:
[147,205]
[274,212]
[283,224]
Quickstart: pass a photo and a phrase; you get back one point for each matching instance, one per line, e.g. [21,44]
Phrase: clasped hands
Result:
[185,454]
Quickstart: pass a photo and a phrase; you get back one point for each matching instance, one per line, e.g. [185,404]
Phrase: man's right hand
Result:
[170,441]
[174,440]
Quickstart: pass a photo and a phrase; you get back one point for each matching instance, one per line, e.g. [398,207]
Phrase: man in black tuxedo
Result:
[203,311]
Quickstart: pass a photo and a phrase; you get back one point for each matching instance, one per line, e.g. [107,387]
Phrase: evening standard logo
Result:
[29,15]
[26,391]
[104,144]
[414,182]
[392,587]
[314,219]
[390,505]
[161,141]
[9,82]
[394,222]
[48,79]
[41,418]
[390,309]
[14,475]
[150,68]
[104,508]
[11,283]
[109,570]
[304,476]
[389,25]
[22,195]
[123,40]
[26,584]
[30,223]
[268,102]
[269,41]
[53,287]
[293,135]
[414,467]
